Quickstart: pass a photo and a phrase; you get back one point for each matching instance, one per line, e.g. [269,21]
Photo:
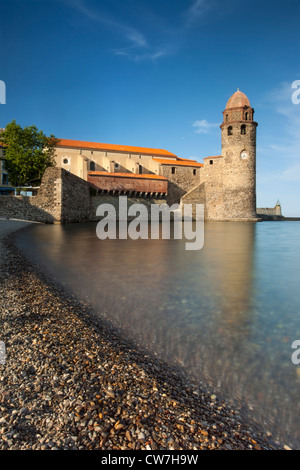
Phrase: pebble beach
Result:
[71,382]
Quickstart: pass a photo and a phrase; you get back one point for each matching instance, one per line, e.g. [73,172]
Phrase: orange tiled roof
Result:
[119,148]
[214,156]
[186,159]
[179,162]
[127,175]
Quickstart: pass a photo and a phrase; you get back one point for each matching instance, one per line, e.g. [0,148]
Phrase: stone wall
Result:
[270,213]
[212,176]
[23,208]
[114,201]
[75,198]
[62,198]
[45,207]
[180,182]
[196,196]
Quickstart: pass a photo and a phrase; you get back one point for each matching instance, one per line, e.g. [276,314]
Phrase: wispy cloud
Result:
[203,126]
[196,9]
[140,46]
[135,37]
[82,8]
[292,173]
[280,100]
[136,55]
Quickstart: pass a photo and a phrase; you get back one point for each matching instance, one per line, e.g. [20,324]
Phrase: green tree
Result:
[28,152]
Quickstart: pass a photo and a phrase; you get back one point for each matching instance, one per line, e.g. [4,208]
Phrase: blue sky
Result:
[158,74]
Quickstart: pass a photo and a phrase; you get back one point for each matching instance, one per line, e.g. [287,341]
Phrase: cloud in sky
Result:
[194,11]
[83,8]
[140,46]
[203,126]
[280,101]
[280,175]
[136,38]
[292,173]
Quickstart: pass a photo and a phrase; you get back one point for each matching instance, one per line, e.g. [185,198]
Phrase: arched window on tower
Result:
[92,166]
[243,129]
[229,130]
[246,116]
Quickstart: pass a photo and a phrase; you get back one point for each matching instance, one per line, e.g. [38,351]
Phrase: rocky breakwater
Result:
[70,382]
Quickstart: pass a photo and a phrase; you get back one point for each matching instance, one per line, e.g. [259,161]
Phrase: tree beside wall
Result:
[27,153]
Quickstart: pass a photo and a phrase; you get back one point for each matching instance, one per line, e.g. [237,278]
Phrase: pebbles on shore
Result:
[70,382]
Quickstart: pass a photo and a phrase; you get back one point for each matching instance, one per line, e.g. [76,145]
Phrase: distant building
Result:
[270,212]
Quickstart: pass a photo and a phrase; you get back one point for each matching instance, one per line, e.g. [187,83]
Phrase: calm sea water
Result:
[227,313]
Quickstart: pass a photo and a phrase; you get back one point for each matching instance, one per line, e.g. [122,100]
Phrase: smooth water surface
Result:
[227,313]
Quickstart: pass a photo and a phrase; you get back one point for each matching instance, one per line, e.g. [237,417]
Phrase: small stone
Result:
[110,394]
[119,426]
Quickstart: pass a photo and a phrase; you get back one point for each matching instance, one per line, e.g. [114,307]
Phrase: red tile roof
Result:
[179,162]
[186,159]
[116,148]
[126,175]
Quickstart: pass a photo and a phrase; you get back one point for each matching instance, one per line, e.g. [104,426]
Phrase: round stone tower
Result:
[239,154]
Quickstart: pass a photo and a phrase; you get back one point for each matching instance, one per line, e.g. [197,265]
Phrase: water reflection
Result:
[227,313]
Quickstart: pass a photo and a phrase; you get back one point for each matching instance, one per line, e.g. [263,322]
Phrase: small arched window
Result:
[246,116]
[92,166]
[243,129]
[230,130]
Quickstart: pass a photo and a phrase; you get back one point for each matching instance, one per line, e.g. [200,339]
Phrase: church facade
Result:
[225,184]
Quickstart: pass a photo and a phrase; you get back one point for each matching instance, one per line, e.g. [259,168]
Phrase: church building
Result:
[225,184]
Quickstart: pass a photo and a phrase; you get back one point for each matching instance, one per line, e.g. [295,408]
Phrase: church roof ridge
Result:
[114,147]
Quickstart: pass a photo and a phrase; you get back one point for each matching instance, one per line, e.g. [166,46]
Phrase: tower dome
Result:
[238,100]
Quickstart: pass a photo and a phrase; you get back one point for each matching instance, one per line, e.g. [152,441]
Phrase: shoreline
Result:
[71,382]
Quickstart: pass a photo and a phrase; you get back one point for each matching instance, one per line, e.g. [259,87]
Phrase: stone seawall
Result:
[114,201]
[63,198]
[75,198]
[270,213]
[23,208]
[66,198]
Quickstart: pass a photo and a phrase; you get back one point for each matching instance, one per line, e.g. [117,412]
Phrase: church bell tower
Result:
[239,154]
